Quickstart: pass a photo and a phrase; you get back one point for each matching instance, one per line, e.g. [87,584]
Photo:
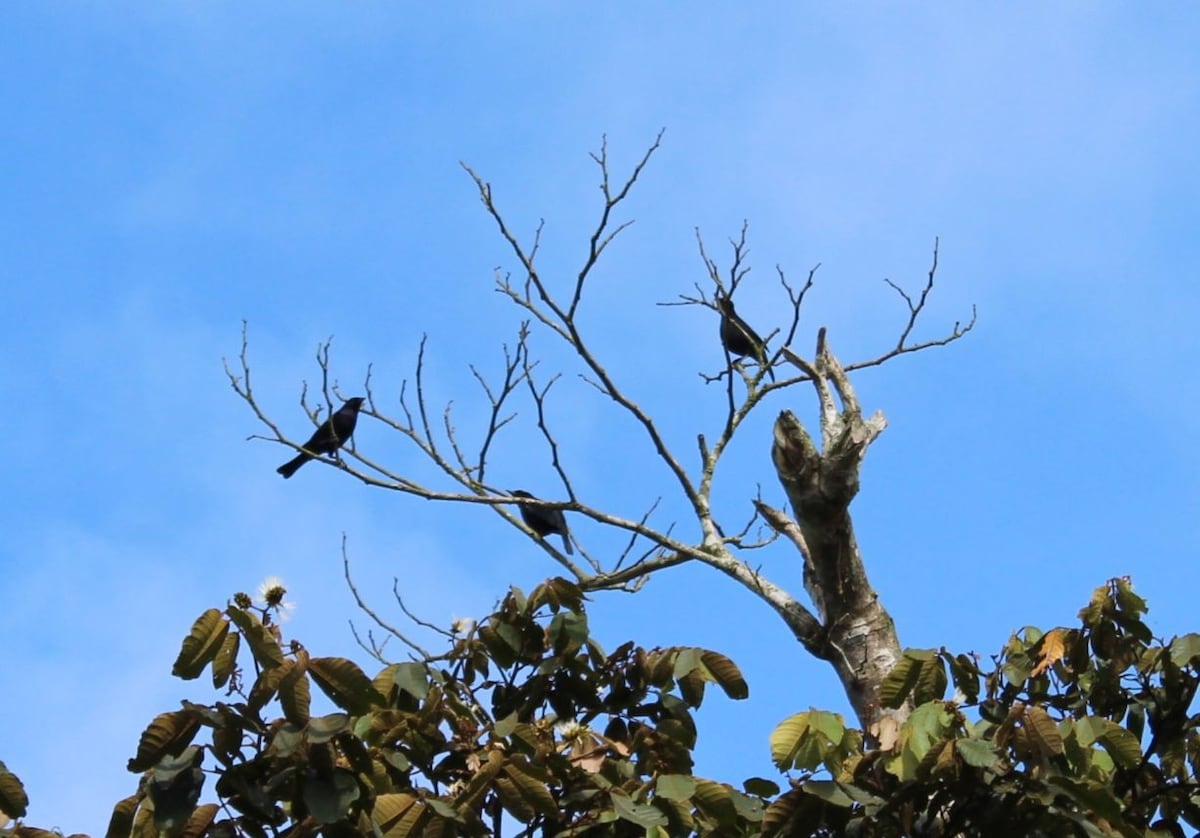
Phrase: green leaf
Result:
[761,787]
[931,682]
[900,681]
[1122,746]
[412,677]
[443,808]
[566,592]
[499,650]
[1092,613]
[831,725]
[530,788]
[748,808]
[805,740]
[925,726]
[345,684]
[679,816]
[786,740]
[511,636]
[397,760]
[505,727]
[965,673]
[567,632]
[321,729]
[13,799]
[328,798]
[294,693]
[686,660]
[1092,797]
[226,659]
[398,815]
[286,740]
[518,598]
[928,721]
[262,643]
[481,780]
[977,753]
[543,594]
[716,801]
[675,786]
[1128,600]
[1185,650]
[265,687]
[201,645]
[862,797]
[1088,729]
[640,813]
[169,733]
[174,787]
[830,792]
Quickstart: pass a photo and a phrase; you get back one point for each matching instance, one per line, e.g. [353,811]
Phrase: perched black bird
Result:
[738,338]
[544,521]
[329,437]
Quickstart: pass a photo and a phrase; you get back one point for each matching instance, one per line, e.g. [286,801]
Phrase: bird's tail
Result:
[567,544]
[289,468]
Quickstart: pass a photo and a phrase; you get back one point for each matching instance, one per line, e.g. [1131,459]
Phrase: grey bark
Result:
[859,636]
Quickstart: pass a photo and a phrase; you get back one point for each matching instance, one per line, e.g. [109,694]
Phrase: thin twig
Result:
[366,609]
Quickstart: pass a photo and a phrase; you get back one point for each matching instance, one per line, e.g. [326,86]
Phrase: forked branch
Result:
[849,626]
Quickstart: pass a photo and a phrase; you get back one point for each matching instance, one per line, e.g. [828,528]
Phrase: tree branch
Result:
[849,627]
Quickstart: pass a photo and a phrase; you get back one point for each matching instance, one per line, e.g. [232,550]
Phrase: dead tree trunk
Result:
[859,636]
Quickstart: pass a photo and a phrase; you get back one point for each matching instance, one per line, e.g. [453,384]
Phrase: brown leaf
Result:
[589,752]
[1053,648]
[169,733]
[1043,731]
[886,731]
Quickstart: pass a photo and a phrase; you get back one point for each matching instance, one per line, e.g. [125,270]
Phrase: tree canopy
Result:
[523,724]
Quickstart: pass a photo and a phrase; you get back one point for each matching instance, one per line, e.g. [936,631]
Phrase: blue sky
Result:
[173,169]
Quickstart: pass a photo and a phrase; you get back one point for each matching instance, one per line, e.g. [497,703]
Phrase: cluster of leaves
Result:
[1056,747]
[524,725]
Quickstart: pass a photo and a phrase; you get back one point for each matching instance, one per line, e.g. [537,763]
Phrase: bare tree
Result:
[845,623]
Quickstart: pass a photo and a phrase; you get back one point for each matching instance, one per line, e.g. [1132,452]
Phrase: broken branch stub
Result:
[860,637]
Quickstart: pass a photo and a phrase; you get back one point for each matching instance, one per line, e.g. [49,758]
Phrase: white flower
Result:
[461,625]
[271,593]
[570,730]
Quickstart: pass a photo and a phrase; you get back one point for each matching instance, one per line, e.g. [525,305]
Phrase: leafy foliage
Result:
[526,726]
[1056,747]
[13,800]
[524,720]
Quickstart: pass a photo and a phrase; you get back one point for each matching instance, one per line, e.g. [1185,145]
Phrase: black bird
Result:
[738,338]
[329,437]
[544,521]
